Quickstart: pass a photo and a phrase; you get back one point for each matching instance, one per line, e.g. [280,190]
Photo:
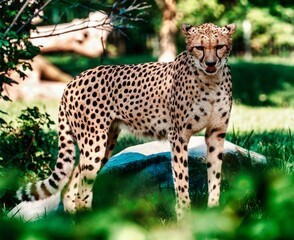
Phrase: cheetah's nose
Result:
[210,64]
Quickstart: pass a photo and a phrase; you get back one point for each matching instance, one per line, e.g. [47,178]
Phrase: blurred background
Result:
[266,26]
[263,44]
[261,60]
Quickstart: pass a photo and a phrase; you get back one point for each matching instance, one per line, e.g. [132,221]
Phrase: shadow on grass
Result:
[261,84]
[254,83]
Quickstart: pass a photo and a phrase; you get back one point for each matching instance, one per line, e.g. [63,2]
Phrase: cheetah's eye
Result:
[219,47]
[200,48]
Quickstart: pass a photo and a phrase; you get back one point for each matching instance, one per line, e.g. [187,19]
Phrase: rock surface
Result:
[147,167]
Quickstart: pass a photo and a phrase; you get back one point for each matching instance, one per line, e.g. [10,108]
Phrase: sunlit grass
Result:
[267,130]
[260,119]
[267,59]
[243,118]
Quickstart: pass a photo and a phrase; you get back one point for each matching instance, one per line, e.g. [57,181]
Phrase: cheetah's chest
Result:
[200,115]
[205,109]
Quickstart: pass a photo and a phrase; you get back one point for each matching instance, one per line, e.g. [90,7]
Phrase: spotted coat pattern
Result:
[169,101]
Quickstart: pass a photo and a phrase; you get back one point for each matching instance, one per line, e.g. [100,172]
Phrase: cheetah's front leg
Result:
[214,138]
[180,175]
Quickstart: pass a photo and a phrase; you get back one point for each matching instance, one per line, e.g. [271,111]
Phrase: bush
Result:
[27,147]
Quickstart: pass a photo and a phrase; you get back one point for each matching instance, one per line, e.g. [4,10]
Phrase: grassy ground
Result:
[243,118]
[258,123]
[255,205]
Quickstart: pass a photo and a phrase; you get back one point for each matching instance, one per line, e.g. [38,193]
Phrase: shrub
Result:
[27,147]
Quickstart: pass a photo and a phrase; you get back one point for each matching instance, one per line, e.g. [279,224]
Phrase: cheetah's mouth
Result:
[210,69]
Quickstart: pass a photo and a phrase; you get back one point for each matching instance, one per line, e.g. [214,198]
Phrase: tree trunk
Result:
[167,32]
[247,31]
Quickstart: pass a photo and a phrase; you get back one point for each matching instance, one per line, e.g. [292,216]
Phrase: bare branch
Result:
[103,49]
[34,15]
[113,20]
[99,27]
[102,24]
[139,6]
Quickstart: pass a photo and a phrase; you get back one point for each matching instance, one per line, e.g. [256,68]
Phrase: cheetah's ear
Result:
[231,28]
[185,28]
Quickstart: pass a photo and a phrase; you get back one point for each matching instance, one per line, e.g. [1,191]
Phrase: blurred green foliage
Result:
[271,32]
[272,22]
[255,206]
[263,84]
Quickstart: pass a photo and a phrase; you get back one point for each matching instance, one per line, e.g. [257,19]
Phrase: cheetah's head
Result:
[209,45]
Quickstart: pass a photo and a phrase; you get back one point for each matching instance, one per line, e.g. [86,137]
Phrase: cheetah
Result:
[170,101]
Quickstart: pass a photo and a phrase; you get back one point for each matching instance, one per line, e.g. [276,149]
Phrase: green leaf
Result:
[3,112]
[7,80]
[2,121]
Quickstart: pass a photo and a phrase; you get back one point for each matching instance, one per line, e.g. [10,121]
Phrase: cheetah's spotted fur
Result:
[163,100]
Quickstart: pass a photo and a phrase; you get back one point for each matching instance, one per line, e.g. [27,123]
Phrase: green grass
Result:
[267,130]
[255,206]
[260,119]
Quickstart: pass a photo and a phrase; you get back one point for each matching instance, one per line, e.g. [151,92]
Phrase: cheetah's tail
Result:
[63,168]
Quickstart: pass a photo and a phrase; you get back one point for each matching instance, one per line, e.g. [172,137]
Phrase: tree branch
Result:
[34,15]
[100,27]
[16,17]
[116,21]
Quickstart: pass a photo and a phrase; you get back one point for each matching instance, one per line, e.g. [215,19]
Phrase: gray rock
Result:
[146,169]
[144,155]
